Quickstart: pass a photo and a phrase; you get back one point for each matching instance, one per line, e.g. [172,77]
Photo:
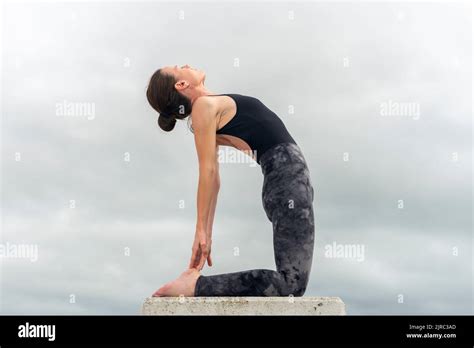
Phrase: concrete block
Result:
[243,306]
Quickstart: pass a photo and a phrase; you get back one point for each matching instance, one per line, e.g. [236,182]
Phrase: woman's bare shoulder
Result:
[205,110]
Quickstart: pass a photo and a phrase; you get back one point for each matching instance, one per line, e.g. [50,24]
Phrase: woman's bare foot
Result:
[183,285]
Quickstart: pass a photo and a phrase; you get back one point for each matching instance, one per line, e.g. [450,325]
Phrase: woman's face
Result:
[185,75]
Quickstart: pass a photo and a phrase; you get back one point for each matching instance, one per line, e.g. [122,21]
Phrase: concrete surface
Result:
[243,306]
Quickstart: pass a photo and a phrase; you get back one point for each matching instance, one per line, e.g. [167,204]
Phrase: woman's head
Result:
[171,91]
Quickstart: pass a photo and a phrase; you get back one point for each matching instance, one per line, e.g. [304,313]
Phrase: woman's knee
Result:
[296,291]
[295,287]
[299,290]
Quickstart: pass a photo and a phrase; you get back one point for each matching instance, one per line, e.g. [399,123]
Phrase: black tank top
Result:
[256,124]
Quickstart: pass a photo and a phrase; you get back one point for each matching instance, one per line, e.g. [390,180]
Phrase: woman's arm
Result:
[204,127]
[210,219]
[215,192]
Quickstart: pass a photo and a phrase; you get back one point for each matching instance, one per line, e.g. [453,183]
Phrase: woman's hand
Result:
[201,251]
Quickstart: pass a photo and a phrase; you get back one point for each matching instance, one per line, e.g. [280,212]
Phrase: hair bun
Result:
[166,115]
[166,122]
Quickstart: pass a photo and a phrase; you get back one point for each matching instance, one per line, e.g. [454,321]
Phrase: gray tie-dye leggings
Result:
[287,196]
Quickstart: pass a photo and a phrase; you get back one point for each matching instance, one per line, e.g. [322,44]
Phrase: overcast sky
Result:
[381,94]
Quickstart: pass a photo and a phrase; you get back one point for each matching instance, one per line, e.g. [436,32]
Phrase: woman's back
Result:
[255,124]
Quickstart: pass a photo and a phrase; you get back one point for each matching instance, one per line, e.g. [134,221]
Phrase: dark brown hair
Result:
[166,100]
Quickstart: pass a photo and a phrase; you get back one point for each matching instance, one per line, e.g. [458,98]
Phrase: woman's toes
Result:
[157,293]
[161,291]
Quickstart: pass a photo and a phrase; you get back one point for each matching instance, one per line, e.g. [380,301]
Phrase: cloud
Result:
[76,196]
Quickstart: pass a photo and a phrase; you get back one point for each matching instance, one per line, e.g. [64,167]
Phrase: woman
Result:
[287,194]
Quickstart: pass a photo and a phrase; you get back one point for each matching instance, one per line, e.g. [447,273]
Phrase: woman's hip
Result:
[287,180]
[279,156]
